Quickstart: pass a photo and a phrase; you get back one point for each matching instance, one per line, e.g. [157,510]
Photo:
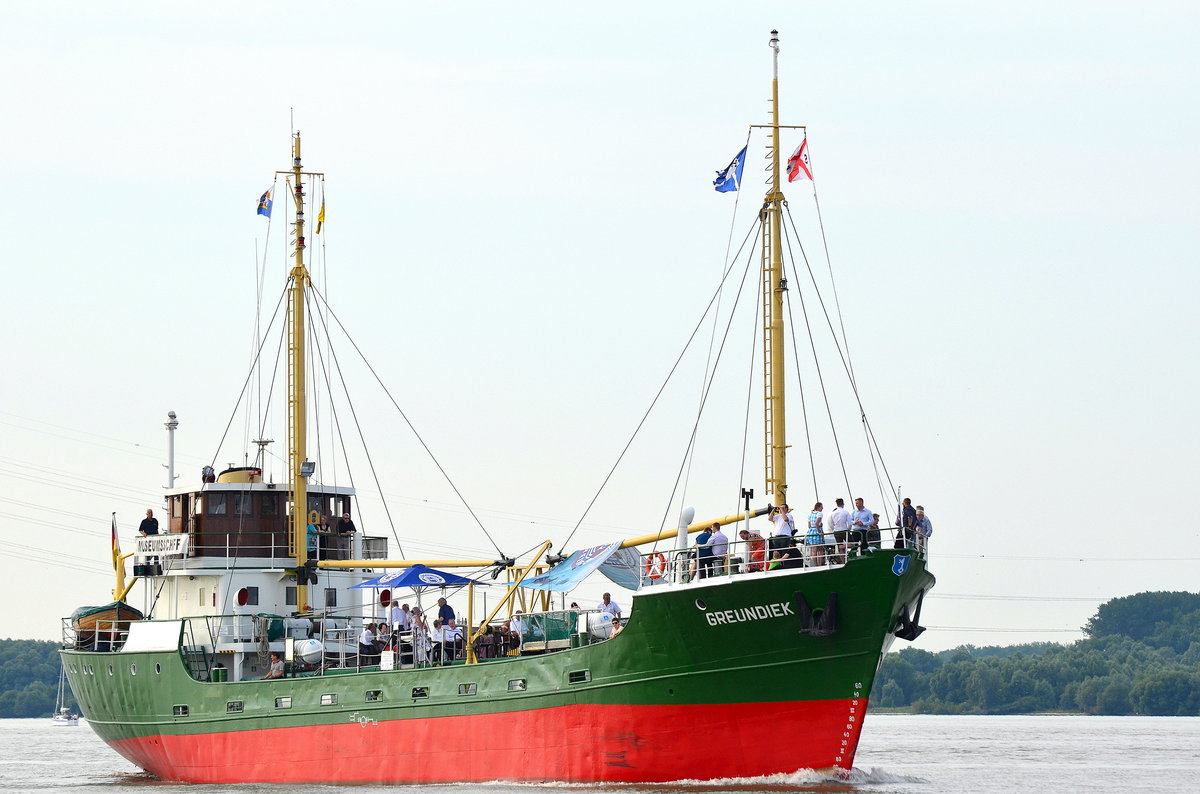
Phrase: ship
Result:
[252,663]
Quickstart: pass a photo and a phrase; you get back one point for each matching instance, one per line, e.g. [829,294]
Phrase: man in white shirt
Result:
[607,605]
[401,618]
[784,532]
[839,523]
[366,644]
[454,639]
[437,636]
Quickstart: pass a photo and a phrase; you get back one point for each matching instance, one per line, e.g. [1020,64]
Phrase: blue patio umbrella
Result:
[415,577]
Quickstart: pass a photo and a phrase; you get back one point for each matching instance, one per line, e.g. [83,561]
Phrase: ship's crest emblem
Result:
[900,564]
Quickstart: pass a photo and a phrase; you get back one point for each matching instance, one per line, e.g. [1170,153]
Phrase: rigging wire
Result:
[408,422]
[661,388]
[845,359]
[725,264]
[817,364]
[249,377]
[362,438]
[749,394]
[707,390]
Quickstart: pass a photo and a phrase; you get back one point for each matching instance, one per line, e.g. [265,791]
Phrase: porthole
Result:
[467,689]
[329,700]
[283,703]
[516,685]
[133,669]
[373,695]
[700,604]
[420,692]
[180,711]
[158,669]
[579,676]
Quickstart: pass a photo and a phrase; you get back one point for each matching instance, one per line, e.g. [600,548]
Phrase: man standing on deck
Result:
[445,611]
[785,528]
[345,531]
[906,519]
[924,528]
[839,522]
[149,525]
[720,549]
[862,522]
[608,606]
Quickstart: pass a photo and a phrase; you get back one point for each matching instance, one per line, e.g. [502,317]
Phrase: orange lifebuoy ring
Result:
[656,565]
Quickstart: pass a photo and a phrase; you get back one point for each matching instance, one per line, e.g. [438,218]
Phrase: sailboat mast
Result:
[297,405]
[774,285]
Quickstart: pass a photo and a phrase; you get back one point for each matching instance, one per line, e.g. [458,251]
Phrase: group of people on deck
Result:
[825,542]
[408,632]
[328,540]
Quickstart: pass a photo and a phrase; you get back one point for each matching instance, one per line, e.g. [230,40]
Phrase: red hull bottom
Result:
[570,743]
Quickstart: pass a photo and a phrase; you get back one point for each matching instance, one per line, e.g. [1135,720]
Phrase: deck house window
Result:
[330,597]
[289,596]
[270,505]
[216,504]
[243,504]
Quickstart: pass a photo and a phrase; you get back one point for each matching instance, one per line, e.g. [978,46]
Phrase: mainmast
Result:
[774,284]
[299,467]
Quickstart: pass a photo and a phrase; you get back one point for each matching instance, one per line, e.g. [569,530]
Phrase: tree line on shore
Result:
[1141,655]
[29,678]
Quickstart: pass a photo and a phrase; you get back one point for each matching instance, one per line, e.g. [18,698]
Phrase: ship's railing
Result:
[761,554]
[103,635]
[273,545]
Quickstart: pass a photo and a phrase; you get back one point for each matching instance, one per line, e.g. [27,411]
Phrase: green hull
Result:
[738,642]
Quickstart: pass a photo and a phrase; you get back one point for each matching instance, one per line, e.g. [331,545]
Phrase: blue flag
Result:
[728,179]
[264,203]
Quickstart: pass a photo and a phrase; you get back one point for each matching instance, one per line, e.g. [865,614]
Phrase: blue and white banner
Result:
[574,569]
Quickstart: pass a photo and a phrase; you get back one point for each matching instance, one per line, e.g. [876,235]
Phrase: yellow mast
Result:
[297,405]
[774,284]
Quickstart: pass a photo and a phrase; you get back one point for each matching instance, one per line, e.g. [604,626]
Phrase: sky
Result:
[522,233]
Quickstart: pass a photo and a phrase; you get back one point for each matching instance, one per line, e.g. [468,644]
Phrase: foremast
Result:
[298,466]
[774,284]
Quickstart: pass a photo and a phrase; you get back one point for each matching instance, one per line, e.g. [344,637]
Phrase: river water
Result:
[898,754]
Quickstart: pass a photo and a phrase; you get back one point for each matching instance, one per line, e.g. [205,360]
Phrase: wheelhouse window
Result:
[216,504]
[270,505]
[243,504]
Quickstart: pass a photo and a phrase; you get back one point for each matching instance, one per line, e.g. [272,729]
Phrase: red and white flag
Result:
[797,165]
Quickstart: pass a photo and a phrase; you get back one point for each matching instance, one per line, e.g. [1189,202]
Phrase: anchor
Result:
[909,628]
[817,622]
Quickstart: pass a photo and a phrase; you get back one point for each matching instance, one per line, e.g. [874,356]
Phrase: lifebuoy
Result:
[656,565]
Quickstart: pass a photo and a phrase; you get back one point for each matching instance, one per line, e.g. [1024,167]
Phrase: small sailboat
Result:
[63,716]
